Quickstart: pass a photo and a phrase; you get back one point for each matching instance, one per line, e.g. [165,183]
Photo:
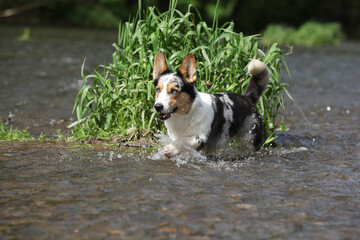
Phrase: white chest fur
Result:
[197,122]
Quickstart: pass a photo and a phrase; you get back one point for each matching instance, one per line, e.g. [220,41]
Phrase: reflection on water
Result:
[40,78]
[307,188]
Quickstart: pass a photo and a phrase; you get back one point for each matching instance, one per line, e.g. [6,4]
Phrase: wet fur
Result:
[203,121]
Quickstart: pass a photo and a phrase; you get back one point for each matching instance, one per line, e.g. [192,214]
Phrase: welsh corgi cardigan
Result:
[203,121]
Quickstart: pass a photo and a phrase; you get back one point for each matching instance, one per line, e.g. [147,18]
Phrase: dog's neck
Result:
[180,125]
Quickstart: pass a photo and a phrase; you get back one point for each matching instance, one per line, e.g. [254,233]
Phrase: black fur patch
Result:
[242,107]
[253,91]
[241,110]
[187,87]
[217,125]
[257,129]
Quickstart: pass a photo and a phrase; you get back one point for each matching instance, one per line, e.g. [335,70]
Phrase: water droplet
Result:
[111,156]
[52,122]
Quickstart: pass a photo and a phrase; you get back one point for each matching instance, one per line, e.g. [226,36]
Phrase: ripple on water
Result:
[306,188]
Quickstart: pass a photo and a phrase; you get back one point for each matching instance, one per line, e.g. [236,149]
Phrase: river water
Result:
[307,188]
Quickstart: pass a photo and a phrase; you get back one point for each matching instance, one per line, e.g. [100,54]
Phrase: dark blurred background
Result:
[250,16]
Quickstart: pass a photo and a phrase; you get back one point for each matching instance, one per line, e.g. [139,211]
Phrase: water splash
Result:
[107,158]
[227,158]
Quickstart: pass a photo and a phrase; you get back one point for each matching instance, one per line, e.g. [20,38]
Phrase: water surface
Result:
[307,188]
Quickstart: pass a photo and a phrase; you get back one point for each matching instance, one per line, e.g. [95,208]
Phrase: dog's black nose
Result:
[158,107]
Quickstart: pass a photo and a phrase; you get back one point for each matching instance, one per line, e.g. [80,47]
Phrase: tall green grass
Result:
[117,98]
[309,34]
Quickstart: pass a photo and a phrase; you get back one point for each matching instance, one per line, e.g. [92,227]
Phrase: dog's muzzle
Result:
[163,116]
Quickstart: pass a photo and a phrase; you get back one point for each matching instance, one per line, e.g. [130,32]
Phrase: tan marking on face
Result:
[173,97]
[184,103]
[180,99]
[160,86]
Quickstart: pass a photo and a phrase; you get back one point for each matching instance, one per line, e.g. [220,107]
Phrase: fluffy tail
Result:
[259,80]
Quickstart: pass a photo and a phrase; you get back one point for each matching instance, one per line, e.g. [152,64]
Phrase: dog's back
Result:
[235,115]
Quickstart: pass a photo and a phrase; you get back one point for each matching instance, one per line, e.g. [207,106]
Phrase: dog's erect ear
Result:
[188,68]
[159,64]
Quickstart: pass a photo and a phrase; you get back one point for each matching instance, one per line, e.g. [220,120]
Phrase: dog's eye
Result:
[173,91]
[157,90]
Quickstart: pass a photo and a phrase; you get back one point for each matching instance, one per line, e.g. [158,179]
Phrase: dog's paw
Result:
[171,150]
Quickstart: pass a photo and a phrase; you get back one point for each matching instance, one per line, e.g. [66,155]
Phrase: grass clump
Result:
[309,34]
[25,36]
[10,134]
[117,99]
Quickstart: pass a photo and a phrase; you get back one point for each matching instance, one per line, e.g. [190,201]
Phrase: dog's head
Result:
[175,91]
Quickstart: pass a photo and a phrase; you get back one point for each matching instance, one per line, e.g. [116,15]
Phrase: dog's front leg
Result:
[173,149]
[177,147]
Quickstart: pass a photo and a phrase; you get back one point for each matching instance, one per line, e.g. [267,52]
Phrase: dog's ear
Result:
[188,68]
[159,64]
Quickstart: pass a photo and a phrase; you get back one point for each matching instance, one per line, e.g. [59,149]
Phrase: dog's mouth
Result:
[164,116]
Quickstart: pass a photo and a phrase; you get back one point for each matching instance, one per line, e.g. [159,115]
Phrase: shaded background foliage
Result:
[249,16]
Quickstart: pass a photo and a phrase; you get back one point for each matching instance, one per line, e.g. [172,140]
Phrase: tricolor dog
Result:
[203,121]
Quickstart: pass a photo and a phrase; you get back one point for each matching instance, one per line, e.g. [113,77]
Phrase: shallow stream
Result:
[307,188]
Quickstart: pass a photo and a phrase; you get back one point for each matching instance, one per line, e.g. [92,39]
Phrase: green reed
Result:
[117,99]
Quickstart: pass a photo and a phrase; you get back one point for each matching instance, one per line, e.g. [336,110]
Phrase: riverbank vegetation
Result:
[309,34]
[249,16]
[117,98]
[116,102]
